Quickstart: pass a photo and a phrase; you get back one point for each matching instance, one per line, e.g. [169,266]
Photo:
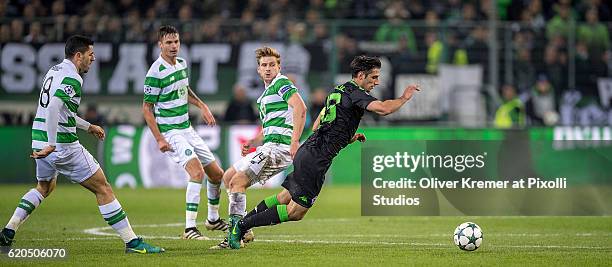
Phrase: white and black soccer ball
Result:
[468,236]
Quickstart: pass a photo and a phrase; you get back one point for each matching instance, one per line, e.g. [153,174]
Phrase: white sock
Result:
[192,198]
[114,215]
[213,191]
[229,200]
[26,206]
[238,204]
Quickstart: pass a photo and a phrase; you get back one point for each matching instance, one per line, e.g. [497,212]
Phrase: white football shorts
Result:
[73,161]
[265,162]
[187,144]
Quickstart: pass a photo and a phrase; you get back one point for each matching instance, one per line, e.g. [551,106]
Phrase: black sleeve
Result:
[252,115]
[361,99]
[230,112]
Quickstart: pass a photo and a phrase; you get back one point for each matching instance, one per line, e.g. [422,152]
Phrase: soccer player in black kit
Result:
[337,125]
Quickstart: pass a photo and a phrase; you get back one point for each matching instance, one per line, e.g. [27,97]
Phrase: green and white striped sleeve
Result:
[287,89]
[69,88]
[152,89]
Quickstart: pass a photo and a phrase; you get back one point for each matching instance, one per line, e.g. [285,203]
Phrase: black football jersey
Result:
[340,118]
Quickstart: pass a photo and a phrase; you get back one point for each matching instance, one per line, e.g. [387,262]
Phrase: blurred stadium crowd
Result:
[283,20]
[547,36]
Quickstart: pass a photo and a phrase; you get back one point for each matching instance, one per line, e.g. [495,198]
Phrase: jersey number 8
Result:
[44,92]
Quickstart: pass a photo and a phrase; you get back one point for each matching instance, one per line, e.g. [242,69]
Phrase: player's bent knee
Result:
[214,172]
[45,189]
[103,188]
[238,183]
[196,175]
[226,181]
[284,197]
[195,170]
[227,176]
[216,177]
[296,214]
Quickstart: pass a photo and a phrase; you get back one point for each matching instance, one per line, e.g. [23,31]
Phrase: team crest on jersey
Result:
[182,91]
[188,152]
[69,90]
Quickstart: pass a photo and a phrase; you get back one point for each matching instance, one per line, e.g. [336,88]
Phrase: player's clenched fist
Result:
[97,131]
[245,149]
[164,145]
[409,91]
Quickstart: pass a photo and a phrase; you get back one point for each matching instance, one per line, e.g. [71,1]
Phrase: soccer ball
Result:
[468,236]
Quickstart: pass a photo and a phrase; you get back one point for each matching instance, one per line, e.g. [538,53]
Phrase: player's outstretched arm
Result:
[299,119]
[387,107]
[95,130]
[147,111]
[81,123]
[206,114]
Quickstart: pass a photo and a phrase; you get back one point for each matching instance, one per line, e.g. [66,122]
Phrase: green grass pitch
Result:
[333,233]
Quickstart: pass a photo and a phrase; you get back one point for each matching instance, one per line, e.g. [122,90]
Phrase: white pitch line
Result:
[327,242]
[440,235]
[100,231]
[417,244]
[429,218]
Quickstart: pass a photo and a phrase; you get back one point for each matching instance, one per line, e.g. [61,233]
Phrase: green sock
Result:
[265,204]
[268,217]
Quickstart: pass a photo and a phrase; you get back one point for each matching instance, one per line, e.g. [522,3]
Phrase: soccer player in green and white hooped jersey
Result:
[167,96]
[282,112]
[338,125]
[56,148]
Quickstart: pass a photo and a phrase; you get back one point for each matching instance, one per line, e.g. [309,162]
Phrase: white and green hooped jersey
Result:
[275,113]
[166,87]
[62,81]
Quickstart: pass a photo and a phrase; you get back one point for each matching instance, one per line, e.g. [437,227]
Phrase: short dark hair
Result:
[165,30]
[364,63]
[75,44]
